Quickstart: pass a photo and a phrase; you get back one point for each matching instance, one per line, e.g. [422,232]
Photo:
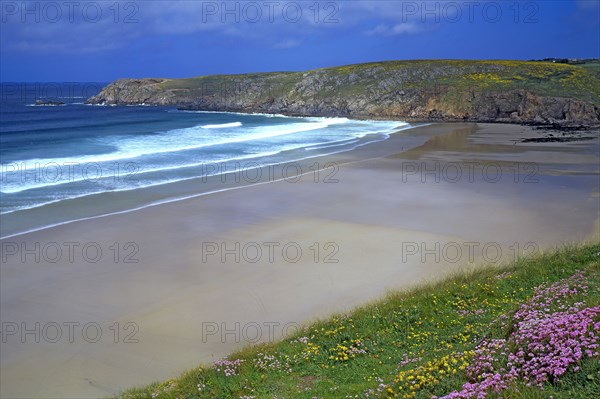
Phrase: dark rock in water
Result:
[550,139]
[48,103]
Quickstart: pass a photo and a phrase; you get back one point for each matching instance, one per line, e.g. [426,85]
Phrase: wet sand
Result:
[198,278]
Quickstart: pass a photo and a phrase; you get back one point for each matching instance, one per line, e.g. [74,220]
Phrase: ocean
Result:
[57,154]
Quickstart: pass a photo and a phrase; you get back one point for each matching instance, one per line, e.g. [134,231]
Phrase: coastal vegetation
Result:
[483,91]
[530,92]
[529,329]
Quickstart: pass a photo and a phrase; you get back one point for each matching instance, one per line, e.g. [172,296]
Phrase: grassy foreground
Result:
[528,330]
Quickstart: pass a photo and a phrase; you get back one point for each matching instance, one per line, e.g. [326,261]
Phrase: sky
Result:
[100,41]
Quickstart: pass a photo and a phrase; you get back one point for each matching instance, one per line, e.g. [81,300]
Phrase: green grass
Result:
[460,78]
[435,326]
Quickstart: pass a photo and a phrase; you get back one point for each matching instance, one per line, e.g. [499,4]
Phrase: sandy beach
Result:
[145,295]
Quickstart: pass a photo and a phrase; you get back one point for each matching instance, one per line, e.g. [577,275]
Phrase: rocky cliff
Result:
[485,91]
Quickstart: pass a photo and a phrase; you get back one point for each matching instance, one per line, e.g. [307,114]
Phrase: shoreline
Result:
[263,169]
[565,127]
[562,127]
[335,157]
[378,210]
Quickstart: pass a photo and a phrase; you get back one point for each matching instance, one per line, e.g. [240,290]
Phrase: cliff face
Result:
[499,91]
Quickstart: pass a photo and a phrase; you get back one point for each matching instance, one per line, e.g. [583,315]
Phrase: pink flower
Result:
[545,344]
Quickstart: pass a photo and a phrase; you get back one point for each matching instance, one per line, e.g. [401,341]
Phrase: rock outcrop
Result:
[48,103]
[484,91]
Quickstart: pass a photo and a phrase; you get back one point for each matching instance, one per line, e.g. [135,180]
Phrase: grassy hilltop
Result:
[499,91]
[528,330]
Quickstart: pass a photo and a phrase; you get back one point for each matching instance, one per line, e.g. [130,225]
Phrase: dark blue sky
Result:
[105,40]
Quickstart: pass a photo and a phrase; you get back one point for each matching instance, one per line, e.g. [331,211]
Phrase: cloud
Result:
[407,28]
[290,43]
[588,4]
[282,25]
[31,28]
[115,25]
[110,26]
